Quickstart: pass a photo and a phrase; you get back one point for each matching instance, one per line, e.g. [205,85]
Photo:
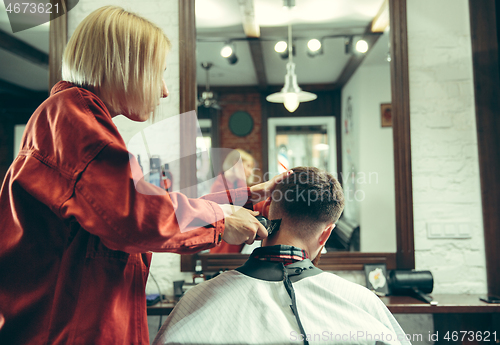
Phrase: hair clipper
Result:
[272,226]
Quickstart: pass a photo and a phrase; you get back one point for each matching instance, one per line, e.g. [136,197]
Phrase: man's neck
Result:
[285,254]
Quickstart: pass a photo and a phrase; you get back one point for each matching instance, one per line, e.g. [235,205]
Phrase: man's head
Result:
[308,202]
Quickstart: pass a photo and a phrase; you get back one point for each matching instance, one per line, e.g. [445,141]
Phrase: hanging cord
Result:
[291,293]
[161,297]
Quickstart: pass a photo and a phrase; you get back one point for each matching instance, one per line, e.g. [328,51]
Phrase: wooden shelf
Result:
[163,308]
[447,303]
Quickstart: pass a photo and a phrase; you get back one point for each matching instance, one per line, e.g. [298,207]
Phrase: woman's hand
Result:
[264,190]
[241,226]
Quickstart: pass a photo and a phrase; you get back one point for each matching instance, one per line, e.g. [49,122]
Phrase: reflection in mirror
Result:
[204,161]
[367,152]
[302,141]
[362,81]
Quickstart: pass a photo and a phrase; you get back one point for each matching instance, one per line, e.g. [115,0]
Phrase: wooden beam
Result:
[187,83]
[357,58]
[270,88]
[58,37]
[16,90]
[250,25]
[485,27]
[381,20]
[252,31]
[22,49]
[258,62]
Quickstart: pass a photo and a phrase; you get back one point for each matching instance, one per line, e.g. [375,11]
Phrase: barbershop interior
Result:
[396,101]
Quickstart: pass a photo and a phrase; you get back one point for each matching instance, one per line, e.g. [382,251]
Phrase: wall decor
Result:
[386,114]
[241,123]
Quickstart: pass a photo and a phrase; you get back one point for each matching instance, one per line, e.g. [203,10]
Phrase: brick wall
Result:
[444,143]
[252,143]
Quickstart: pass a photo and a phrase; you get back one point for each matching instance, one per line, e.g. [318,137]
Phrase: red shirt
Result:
[74,230]
[218,186]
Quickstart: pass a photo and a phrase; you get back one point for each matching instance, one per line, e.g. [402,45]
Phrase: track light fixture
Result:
[281,48]
[228,53]
[314,47]
[361,45]
[348,45]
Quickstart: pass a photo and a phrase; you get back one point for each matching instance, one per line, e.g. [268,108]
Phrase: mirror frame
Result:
[404,257]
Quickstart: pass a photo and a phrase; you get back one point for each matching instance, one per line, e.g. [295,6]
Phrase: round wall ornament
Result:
[241,123]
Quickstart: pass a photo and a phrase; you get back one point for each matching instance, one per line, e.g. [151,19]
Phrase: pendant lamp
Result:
[291,94]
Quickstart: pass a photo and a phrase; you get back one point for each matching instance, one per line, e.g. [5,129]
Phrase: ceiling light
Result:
[280,47]
[228,53]
[362,46]
[314,47]
[291,101]
[291,94]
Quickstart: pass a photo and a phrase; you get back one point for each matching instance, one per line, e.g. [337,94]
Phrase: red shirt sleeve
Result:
[140,217]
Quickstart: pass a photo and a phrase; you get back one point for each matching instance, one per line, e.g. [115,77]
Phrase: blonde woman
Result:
[75,240]
[236,174]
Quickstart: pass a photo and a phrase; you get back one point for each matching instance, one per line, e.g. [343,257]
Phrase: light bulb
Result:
[362,46]
[314,45]
[280,47]
[226,51]
[291,101]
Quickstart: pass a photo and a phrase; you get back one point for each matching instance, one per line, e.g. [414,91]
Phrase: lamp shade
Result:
[291,94]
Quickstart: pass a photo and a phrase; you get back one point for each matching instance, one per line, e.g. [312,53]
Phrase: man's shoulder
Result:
[209,294]
[224,280]
[346,289]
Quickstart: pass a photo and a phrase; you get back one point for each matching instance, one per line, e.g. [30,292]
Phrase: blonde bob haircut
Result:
[234,156]
[120,56]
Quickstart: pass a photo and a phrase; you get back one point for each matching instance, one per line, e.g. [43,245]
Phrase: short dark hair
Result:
[309,194]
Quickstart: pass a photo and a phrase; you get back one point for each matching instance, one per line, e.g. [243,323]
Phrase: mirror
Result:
[301,141]
[331,97]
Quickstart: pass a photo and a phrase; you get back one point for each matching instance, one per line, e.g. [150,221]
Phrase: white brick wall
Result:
[444,143]
[165,13]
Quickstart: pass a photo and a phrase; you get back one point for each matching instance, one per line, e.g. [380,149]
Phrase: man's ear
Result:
[325,234]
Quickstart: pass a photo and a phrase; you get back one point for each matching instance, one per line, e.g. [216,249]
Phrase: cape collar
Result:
[274,270]
[283,253]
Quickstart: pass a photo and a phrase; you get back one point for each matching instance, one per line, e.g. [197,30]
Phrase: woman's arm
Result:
[139,217]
